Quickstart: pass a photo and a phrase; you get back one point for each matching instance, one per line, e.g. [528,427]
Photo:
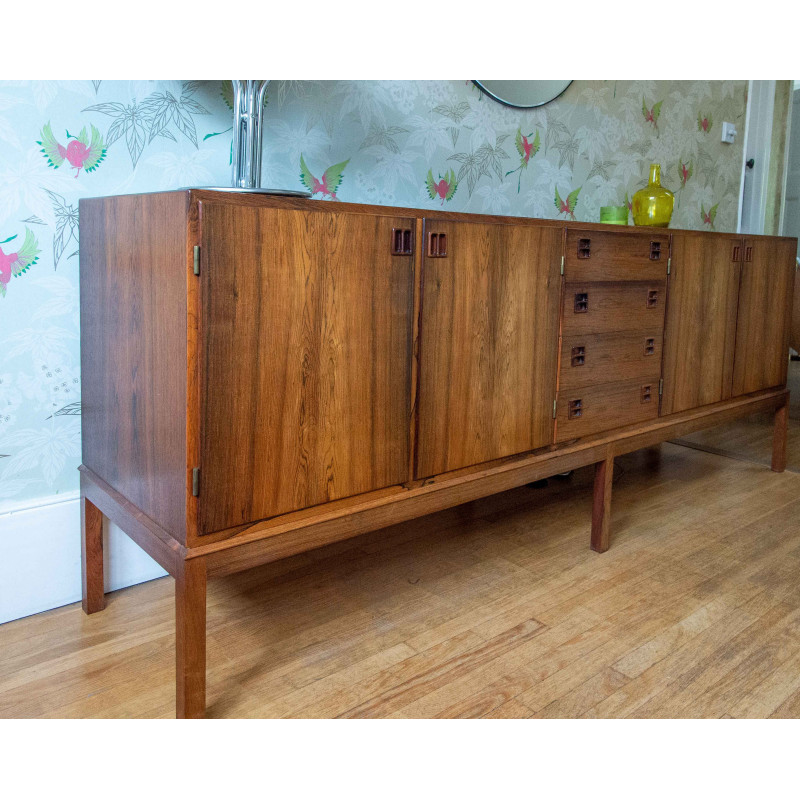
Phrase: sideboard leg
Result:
[779,434]
[601,504]
[190,639]
[94,598]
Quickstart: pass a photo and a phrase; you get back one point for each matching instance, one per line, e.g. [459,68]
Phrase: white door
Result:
[760,107]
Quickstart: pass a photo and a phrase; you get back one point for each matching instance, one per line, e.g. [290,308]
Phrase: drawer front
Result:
[592,409]
[596,358]
[610,307]
[617,256]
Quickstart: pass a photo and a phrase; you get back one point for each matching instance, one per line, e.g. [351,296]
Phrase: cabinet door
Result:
[701,320]
[765,306]
[307,357]
[488,342]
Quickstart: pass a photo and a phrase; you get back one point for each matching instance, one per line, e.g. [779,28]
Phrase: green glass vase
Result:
[653,204]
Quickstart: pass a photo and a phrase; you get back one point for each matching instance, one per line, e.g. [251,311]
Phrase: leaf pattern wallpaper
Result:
[426,144]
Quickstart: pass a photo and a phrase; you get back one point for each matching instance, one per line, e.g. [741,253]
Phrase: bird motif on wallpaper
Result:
[567,206]
[445,187]
[527,149]
[704,123]
[710,215]
[81,153]
[331,179]
[652,114]
[685,171]
[18,262]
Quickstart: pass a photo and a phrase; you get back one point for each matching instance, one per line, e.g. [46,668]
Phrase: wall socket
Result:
[728,132]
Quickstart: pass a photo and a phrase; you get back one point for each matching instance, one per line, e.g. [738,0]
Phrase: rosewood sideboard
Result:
[265,375]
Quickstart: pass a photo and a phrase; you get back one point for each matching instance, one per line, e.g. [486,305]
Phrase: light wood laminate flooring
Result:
[494,609]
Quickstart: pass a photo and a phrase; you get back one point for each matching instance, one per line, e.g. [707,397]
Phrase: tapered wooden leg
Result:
[779,434]
[94,598]
[601,505]
[190,639]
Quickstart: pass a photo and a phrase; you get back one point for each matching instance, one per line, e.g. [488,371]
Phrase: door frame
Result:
[757,145]
[790,121]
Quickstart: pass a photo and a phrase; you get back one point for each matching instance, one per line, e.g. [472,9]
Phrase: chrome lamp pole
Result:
[248,116]
[248,129]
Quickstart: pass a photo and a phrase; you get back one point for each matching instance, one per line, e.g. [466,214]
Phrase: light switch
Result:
[728,132]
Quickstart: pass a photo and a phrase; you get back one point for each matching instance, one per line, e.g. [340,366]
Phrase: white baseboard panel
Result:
[40,559]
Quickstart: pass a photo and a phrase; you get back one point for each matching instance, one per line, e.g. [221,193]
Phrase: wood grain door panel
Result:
[765,306]
[592,409]
[616,256]
[488,343]
[701,321]
[595,358]
[613,307]
[307,359]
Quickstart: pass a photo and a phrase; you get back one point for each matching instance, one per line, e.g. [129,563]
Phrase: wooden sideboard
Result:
[265,375]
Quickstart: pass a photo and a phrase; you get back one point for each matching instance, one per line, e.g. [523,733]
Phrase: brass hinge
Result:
[669,265]
[196,482]
[197,259]
[554,408]
[562,265]
[660,386]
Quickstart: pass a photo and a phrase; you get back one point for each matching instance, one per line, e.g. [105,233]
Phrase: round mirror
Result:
[523,94]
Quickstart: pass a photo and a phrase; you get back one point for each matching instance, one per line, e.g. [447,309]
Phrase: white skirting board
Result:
[40,558]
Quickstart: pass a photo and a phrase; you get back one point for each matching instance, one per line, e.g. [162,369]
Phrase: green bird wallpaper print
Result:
[427,144]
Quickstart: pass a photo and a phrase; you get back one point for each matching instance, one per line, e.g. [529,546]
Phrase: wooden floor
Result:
[750,438]
[495,609]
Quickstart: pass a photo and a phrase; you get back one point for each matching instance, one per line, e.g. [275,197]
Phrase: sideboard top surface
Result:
[310,204]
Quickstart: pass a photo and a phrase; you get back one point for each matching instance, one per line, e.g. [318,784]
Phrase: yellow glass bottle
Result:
[653,204]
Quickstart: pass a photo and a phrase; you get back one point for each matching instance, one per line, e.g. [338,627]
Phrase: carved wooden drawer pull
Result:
[736,256]
[647,392]
[649,347]
[584,248]
[581,302]
[578,356]
[748,252]
[655,251]
[437,245]
[574,409]
[402,242]
[652,298]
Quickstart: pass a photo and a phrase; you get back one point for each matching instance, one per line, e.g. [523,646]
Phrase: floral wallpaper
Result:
[429,144]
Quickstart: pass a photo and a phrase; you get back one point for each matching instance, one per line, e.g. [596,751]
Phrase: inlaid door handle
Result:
[574,409]
[402,242]
[581,302]
[437,245]
[578,356]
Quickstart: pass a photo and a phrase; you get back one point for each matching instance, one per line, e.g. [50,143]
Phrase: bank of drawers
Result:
[612,331]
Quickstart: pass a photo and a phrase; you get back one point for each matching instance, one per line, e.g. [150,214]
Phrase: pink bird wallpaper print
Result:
[425,144]
[331,179]
[444,188]
[17,262]
[80,153]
